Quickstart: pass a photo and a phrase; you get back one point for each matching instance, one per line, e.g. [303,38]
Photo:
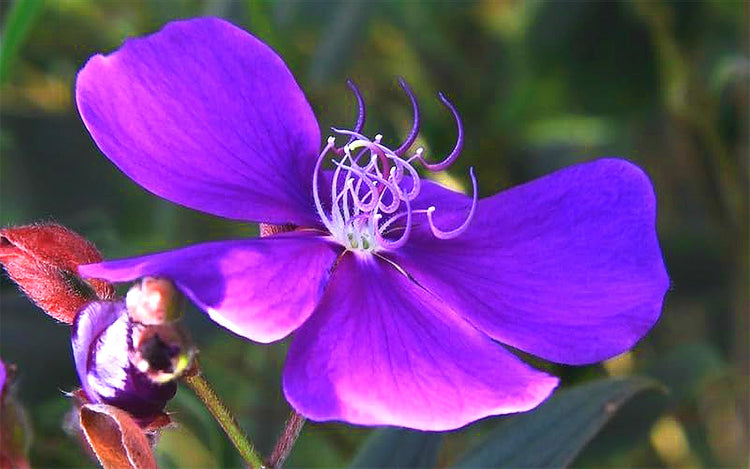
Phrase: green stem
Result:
[219,411]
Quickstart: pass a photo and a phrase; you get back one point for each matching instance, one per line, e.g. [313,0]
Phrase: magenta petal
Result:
[207,116]
[3,375]
[380,350]
[567,267]
[261,289]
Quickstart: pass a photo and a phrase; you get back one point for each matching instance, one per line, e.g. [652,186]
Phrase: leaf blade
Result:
[556,432]
[398,447]
[23,14]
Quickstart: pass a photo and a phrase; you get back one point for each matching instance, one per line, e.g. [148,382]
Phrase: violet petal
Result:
[261,289]
[87,327]
[3,376]
[380,350]
[567,267]
[207,116]
[114,380]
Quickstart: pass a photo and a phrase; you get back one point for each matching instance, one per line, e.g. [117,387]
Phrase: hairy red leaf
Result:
[43,260]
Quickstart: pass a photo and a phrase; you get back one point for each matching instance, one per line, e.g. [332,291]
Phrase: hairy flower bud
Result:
[128,353]
[43,260]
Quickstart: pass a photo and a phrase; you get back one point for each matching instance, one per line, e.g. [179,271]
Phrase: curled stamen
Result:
[358,219]
[375,192]
[371,208]
[353,136]
[417,155]
[385,242]
[361,104]
[358,135]
[396,198]
[459,139]
[384,228]
[378,150]
[316,196]
[453,233]
[415,181]
[415,124]
[348,184]
[371,188]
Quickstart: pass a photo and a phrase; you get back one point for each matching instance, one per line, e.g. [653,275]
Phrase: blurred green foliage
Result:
[540,85]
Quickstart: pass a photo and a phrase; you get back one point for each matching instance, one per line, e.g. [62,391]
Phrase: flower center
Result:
[373,187]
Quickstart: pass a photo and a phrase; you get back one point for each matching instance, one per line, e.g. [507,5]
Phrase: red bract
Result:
[43,260]
[115,437]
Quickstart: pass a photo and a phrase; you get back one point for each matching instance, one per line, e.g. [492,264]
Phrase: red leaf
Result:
[116,439]
[43,260]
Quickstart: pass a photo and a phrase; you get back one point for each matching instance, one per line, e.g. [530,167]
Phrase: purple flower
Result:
[400,291]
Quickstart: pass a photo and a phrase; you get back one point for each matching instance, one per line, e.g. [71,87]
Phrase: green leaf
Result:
[16,27]
[687,369]
[555,433]
[398,447]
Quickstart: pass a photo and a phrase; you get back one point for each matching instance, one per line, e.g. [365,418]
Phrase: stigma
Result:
[373,186]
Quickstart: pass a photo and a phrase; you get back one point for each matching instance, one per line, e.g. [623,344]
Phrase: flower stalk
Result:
[221,414]
[286,441]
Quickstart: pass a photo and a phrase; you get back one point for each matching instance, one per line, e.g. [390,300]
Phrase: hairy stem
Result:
[286,440]
[219,411]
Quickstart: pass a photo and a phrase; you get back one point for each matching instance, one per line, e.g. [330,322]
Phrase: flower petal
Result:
[207,116]
[567,267]
[3,375]
[88,325]
[380,350]
[261,289]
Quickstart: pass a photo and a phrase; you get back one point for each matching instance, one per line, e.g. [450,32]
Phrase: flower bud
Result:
[43,260]
[154,301]
[128,353]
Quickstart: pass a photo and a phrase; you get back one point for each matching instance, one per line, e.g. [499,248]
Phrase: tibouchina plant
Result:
[400,293]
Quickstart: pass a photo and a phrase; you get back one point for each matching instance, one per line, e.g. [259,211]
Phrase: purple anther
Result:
[316,172]
[459,140]
[361,104]
[414,192]
[415,124]
[384,162]
[371,187]
[396,197]
[388,244]
[440,234]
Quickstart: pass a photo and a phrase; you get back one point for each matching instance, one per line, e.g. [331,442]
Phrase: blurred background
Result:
[540,85]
